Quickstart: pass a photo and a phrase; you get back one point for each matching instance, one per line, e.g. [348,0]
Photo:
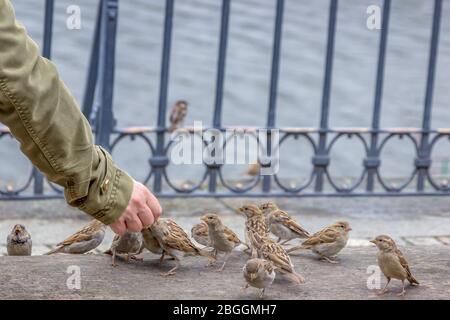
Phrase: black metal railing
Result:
[98,108]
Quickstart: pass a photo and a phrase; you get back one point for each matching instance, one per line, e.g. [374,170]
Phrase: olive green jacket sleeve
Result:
[44,117]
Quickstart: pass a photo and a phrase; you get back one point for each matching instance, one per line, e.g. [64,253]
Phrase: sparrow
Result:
[151,243]
[254,224]
[222,238]
[130,244]
[200,234]
[18,242]
[253,170]
[272,251]
[328,242]
[177,114]
[281,224]
[392,263]
[258,273]
[268,207]
[172,238]
[84,240]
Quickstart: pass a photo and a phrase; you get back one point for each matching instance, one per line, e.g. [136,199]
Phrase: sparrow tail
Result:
[294,277]
[299,247]
[56,250]
[206,254]
[412,280]
[246,244]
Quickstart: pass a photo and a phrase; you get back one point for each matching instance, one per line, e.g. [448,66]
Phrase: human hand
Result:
[142,210]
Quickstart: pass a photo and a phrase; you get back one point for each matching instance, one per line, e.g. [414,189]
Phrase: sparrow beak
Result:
[373,241]
[17,230]
[348,229]
[203,219]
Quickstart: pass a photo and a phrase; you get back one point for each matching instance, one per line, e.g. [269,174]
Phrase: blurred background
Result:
[193,75]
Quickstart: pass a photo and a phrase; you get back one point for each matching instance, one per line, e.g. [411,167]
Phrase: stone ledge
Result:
[44,277]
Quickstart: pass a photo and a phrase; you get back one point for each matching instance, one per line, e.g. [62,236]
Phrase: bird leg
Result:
[162,257]
[113,258]
[401,294]
[385,287]
[227,254]
[261,293]
[247,250]
[172,272]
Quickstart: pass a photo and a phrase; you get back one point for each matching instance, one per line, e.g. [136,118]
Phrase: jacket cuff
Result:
[119,198]
[109,192]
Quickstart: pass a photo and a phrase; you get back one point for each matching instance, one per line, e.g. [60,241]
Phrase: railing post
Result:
[38,186]
[159,160]
[48,28]
[217,117]
[372,162]
[105,121]
[271,115]
[423,161]
[321,158]
[92,77]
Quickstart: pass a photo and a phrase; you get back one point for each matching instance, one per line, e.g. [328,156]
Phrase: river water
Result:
[193,72]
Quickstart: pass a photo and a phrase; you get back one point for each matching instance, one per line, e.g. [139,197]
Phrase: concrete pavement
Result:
[421,227]
[52,277]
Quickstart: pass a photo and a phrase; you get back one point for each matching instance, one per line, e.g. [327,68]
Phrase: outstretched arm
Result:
[44,117]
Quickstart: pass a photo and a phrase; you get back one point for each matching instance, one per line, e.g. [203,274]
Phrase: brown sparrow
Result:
[84,240]
[259,273]
[281,224]
[328,242]
[392,263]
[253,170]
[173,239]
[200,234]
[151,243]
[222,238]
[18,242]
[130,244]
[255,224]
[177,114]
[272,251]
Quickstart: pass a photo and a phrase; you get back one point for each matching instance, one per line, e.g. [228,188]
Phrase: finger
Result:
[133,224]
[118,227]
[154,205]
[146,217]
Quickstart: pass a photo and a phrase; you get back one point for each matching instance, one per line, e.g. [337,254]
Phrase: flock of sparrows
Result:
[268,258]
